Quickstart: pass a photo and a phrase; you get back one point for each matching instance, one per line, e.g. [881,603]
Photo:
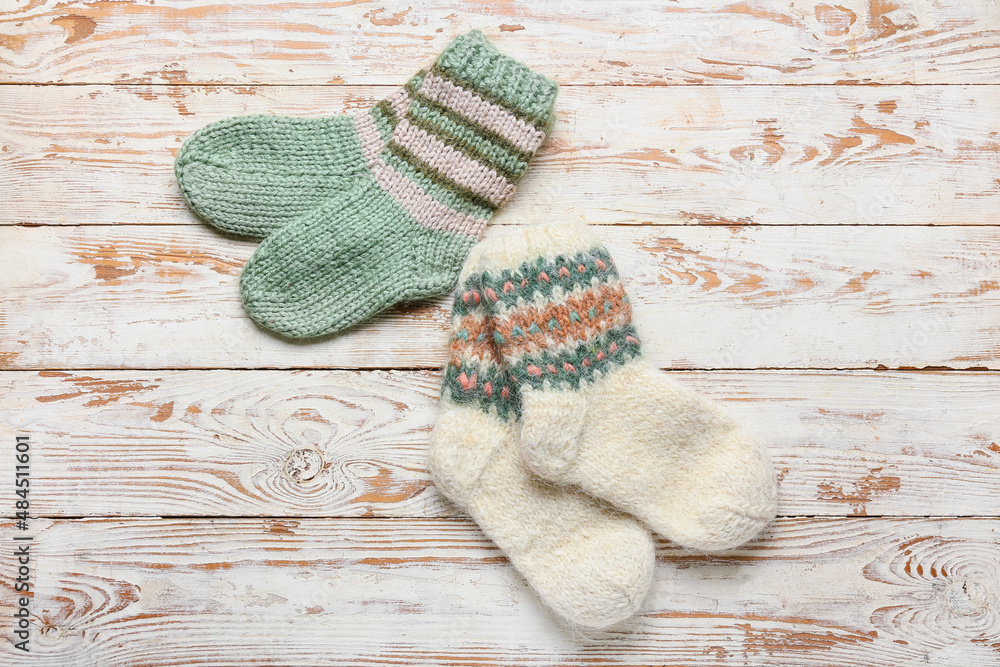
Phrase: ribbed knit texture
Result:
[441,157]
[251,175]
[592,566]
[594,414]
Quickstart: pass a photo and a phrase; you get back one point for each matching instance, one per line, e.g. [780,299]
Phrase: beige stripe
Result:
[399,102]
[369,136]
[558,344]
[426,210]
[494,118]
[457,166]
[558,297]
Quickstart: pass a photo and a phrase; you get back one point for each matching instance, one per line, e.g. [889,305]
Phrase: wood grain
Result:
[782,155]
[771,218]
[343,444]
[809,592]
[705,297]
[627,43]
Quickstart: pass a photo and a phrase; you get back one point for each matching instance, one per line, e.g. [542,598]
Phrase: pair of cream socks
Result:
[566,446]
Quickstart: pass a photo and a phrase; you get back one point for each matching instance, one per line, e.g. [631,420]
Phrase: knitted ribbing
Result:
[250,175]
[593,567]
[442,156]
[594,414]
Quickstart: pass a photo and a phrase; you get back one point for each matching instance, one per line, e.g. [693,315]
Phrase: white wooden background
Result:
[804,198]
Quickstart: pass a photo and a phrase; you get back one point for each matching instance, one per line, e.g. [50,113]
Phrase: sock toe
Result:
[250,175]
[208,192]
[727,499]
[249,203]
[295,300]
[723,527]
[599,578]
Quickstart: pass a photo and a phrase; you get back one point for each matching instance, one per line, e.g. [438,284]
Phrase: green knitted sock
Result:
[250,175]
[402,228]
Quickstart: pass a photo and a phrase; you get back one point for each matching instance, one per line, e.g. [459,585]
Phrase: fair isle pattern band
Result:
[474,373]
[566,320]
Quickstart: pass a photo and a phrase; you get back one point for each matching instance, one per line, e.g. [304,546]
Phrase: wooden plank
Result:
[630,43]
[817,155]
[342,444]
[705,297]
[810,592]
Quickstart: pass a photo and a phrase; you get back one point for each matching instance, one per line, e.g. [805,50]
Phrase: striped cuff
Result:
[471,62]
[453,145]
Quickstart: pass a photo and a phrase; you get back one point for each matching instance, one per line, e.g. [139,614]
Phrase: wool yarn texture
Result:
[377,208]
[594,414]
[591,565]
[251,175]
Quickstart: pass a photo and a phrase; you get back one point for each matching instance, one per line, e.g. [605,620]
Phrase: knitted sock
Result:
[250,175]
[596,414]
[589,564]
[402,228]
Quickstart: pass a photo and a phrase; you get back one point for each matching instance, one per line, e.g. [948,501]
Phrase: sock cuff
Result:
[559,311]
[471,62]
[474,373]
[543,242]
[462,135]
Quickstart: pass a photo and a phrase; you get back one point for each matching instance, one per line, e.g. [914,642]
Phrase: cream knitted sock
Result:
[591,565]
[598,416]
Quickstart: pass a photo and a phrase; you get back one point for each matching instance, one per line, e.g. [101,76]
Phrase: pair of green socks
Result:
[360,212]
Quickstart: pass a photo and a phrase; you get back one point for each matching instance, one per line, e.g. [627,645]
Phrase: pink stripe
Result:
[494,118]
[399,102]
[458,167]
[426,210]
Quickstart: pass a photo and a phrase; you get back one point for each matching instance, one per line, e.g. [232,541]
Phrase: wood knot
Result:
[303,464]
[968,598]
[52,631]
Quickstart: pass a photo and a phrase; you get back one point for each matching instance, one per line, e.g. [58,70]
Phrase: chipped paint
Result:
[857,284]
[162,411]
[870,486]
[385,487]
[886,106]
[114,265]
[376,17]
[100,391]
[835,19]
[78,27]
